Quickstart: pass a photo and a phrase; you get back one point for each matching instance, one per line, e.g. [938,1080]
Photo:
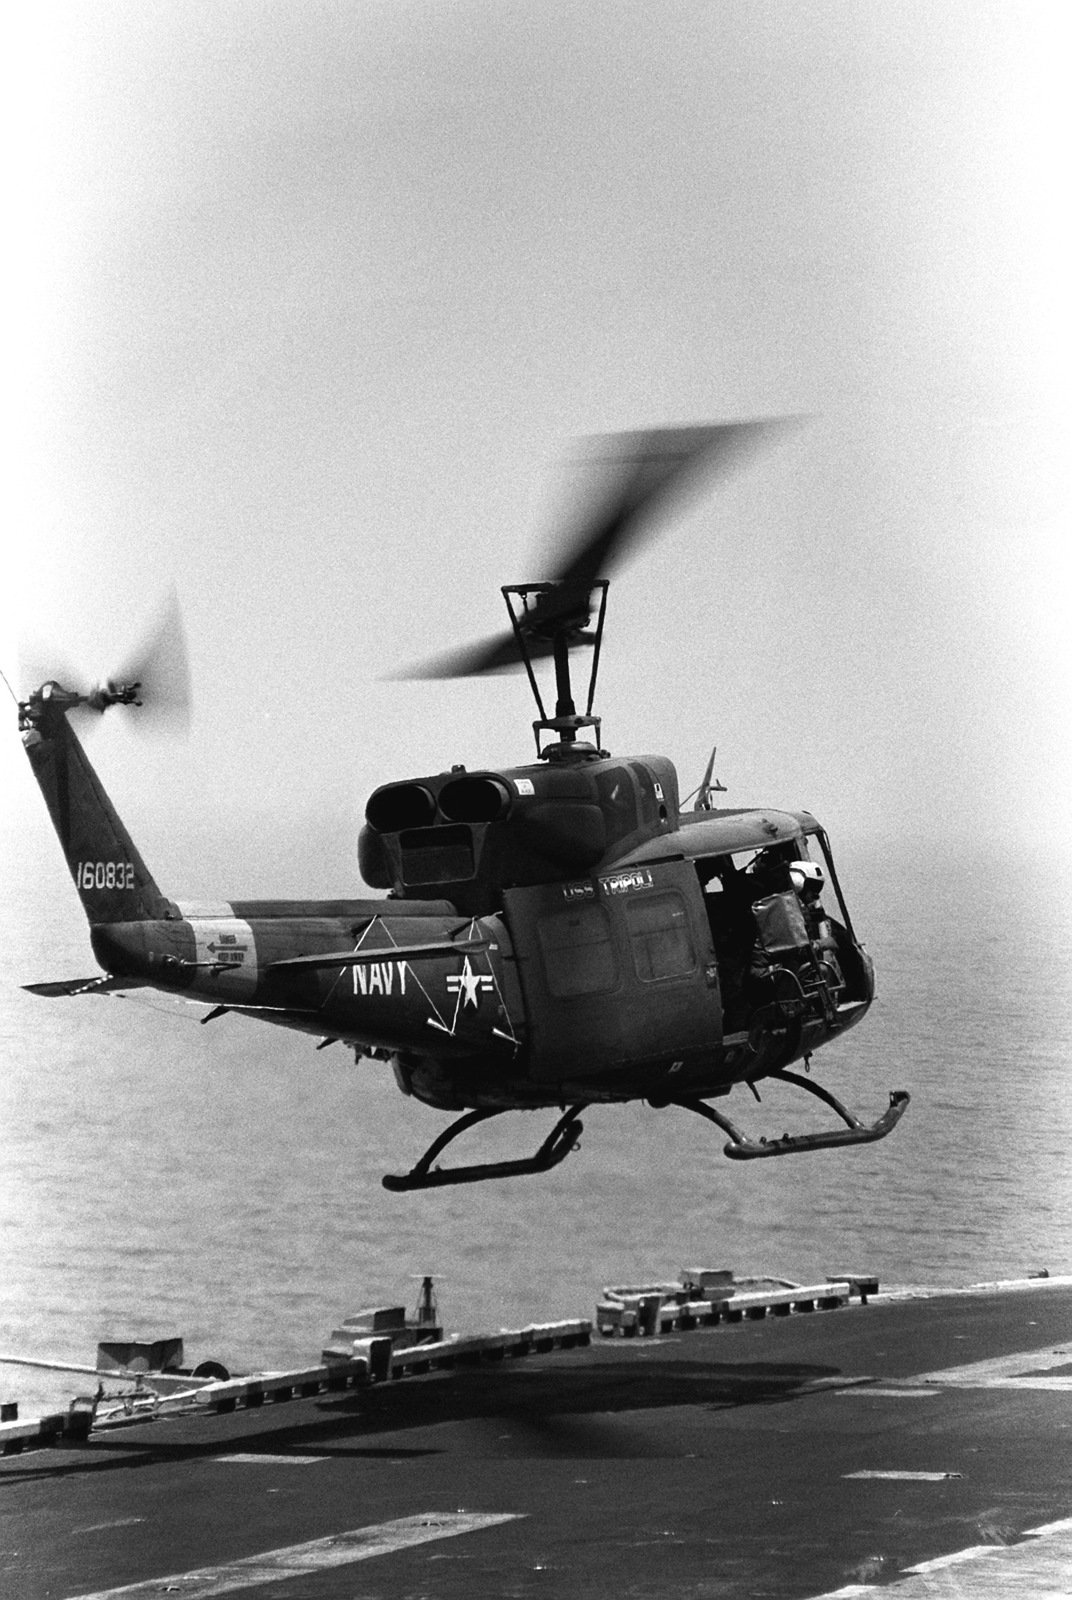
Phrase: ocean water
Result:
[222,1183]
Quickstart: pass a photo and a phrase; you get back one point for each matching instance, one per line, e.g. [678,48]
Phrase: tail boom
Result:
[112,880]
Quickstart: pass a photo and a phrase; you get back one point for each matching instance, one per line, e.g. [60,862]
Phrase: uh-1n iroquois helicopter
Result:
[554,934]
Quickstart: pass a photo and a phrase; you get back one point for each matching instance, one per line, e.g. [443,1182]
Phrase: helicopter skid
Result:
[741,1148]
[555,1148]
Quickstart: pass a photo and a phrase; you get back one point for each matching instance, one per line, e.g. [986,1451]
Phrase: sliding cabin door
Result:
[618,973]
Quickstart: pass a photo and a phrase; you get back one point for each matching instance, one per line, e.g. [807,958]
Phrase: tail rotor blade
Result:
[161,666]
[39,663]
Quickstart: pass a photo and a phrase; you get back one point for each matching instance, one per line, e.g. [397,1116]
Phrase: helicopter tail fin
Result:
[112,880]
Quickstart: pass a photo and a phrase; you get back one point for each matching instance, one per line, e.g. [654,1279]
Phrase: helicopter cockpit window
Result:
[817,848]
[659,935]
[578,953]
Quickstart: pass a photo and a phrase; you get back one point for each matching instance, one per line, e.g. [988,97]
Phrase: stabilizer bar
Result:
[742,1148]
[555,1148]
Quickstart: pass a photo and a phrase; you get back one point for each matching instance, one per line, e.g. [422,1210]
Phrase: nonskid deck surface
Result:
[911,1447]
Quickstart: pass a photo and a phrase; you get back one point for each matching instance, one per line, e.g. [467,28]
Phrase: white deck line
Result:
[296,1560]
[1024,1369]
[1039,1567]
[905,1476]
[920,1291]
[252,1458]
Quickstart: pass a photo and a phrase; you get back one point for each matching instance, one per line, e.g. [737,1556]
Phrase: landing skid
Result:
[555,1148]
[741,1148]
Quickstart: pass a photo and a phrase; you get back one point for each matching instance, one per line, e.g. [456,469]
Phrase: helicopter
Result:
[554,935]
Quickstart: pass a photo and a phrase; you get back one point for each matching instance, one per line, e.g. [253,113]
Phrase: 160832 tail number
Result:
[104,875]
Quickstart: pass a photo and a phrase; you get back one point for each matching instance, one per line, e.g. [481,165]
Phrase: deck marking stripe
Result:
[908,1477]
[105,1527]
[1063,1526]
[249,1458]
[297,1560]
[1026,1369]
[849,1592]
[892,1394]
[1038,1565]
[957,1558]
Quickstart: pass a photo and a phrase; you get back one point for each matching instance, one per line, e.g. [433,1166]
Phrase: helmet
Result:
[807,877]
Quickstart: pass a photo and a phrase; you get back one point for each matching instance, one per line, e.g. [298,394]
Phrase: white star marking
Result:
[468,984]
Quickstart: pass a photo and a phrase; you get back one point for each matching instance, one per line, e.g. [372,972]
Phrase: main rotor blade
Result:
[497,654]
[650,471]
[501,653]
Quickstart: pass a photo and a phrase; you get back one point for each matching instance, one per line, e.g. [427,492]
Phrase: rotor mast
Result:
[550,619]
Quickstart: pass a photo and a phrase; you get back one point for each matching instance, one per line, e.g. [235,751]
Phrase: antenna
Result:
[707,786]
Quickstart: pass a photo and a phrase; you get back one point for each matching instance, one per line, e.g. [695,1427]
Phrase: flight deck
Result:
[762,1441]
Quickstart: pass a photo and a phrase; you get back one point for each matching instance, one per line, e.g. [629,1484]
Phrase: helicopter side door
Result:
[619,975]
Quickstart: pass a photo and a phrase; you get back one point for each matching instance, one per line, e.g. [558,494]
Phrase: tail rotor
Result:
[154,678]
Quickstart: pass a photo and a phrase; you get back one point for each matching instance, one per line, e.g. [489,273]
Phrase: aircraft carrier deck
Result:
[918,1444]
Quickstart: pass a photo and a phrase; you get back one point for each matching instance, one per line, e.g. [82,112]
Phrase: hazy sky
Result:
[309,300]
